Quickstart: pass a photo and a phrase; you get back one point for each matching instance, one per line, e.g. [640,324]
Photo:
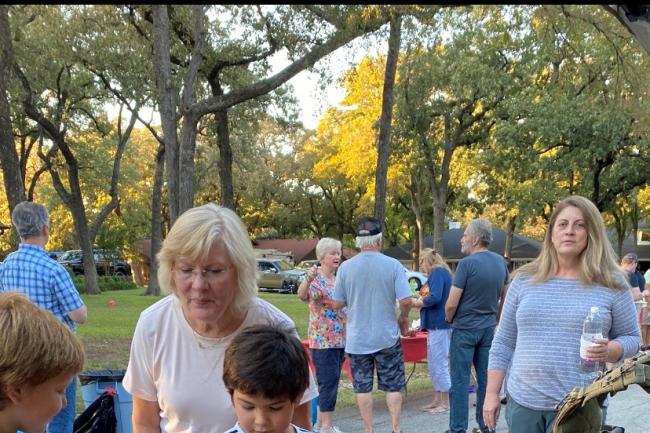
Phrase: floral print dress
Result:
[326,325]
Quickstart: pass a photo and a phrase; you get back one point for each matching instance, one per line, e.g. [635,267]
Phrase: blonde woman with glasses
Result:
[175,368]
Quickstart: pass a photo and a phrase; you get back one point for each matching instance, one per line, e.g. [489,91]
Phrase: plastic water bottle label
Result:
[587,340]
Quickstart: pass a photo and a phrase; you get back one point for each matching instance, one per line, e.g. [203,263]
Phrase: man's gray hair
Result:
[369,241]
[482,229]
[29,219]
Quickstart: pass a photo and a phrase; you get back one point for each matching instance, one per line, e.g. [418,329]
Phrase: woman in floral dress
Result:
[326,329]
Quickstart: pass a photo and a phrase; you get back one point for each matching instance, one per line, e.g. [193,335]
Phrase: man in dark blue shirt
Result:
[472,311]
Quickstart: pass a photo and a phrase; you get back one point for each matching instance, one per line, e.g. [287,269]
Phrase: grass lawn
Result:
[112,317]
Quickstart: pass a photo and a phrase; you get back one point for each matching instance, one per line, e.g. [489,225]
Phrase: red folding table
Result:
[414,348]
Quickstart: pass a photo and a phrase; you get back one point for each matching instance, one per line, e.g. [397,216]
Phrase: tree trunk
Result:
[416,207]
[86,245]
[187,143]
[187,146]
[13,180]
[635,216]
[156,228]
[620,226]
[417,246]
[439,211]
[167,96]
[383,143]
[225,160]
[510,231]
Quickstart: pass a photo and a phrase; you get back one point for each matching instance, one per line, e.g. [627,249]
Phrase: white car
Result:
[415,279]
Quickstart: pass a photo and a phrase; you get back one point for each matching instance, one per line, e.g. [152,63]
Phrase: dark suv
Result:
[107,262]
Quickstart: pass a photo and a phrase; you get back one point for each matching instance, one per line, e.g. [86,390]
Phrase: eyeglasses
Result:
[188,273]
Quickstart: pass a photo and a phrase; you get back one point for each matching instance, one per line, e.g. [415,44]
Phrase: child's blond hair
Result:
[35,345]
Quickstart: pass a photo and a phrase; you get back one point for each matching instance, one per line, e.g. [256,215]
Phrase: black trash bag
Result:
[99,417]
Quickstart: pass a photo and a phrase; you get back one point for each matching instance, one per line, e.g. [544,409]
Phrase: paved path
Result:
[629,409]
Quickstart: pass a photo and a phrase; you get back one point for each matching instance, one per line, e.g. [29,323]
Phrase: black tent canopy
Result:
[523,249]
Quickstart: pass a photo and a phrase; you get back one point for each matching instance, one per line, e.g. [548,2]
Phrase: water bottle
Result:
[592,329]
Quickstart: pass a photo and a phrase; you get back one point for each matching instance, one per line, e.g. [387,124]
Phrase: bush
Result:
[105,283]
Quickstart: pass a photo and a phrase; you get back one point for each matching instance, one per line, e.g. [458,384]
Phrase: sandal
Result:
[439,409]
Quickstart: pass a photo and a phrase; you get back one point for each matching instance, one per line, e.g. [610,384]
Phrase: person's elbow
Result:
[80,315]
[449,312]
[406,303]
[337,305]
[145,416]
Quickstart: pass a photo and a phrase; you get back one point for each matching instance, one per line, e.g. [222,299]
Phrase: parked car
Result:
[307,264]
[107,262]
[416,279]
[278,275]
[55,255]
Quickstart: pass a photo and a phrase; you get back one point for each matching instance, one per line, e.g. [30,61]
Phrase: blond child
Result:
[39,356]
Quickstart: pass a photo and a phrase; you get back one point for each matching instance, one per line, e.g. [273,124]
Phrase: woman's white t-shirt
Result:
[169,366]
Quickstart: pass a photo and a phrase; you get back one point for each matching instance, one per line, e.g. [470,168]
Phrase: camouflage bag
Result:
[580,411]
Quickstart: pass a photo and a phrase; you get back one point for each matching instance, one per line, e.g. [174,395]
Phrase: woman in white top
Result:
[175,367]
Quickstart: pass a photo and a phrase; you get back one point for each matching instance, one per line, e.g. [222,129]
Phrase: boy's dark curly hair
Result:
[267,361]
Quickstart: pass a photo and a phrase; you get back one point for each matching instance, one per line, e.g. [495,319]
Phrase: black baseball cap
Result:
[631,257]
[368,226]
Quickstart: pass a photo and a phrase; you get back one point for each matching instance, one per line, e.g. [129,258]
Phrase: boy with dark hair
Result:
[39,357]
[266,372]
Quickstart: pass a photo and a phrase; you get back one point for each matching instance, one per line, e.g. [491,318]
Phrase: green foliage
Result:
[561,91]
[105,283]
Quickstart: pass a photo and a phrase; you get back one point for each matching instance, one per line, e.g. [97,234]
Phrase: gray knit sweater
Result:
[538,336]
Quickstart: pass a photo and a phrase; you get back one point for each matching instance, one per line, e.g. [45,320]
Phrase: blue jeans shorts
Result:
[328,363]
[390,370]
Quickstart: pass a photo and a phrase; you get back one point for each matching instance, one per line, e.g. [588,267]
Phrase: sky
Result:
[311,99]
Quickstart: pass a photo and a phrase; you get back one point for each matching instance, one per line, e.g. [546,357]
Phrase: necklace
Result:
[205,343]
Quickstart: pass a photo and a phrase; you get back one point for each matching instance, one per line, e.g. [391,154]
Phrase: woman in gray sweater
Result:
[538,337]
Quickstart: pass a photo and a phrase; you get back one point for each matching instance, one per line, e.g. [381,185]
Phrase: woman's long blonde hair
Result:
[597,263]
[433,260]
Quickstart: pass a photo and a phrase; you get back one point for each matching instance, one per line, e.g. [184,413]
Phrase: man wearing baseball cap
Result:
[629,263]
[369,284]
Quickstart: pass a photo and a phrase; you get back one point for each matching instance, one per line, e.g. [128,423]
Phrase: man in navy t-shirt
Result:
[472,311]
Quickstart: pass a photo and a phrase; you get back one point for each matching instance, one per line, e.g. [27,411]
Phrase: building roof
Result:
[523,248]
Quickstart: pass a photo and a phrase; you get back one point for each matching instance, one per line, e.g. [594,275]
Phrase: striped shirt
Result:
[31,271]
[238,429]
[538,336]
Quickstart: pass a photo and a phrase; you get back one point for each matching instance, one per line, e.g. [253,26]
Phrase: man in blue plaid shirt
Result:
[31,271]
